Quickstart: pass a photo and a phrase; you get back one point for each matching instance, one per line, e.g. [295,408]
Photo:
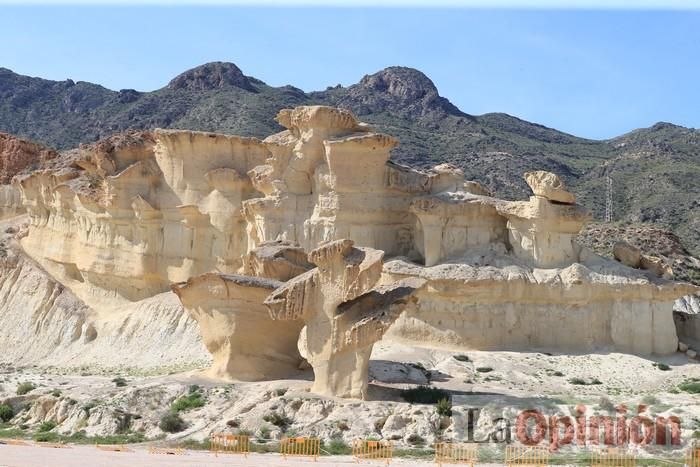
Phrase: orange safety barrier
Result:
[456,453]
[610,457]
[372,450]
[693,455]
[54,445]
[14,442]
[527,455]
[169,451]
[300,447]
[227,443]
[113,448]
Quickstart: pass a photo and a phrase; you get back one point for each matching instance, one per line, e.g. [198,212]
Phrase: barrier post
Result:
[527,455]
[456,453]
[227,443]
[300,447]
[693,454]
[372,450]
[611,457]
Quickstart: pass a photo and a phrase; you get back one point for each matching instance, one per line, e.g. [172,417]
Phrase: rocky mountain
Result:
[655,171]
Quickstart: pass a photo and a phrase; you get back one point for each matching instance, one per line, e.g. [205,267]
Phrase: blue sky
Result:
[593,73]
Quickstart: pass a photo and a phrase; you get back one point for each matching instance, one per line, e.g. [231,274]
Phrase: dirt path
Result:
[90,456]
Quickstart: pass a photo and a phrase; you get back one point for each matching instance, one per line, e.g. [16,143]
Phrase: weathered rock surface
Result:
[17,155]
[42,322]
[277,259]
[343,315]
[123,219]
[237,329]
[550,186]
[627,254]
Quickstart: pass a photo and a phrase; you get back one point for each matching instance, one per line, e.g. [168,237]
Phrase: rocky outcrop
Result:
[236,327]
[343,315]
[550,186]
[627,254]
[139,211]
[229,219]
[18,155]
[43,323]
[214,75]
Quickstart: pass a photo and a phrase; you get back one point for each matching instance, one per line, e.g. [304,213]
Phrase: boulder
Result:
[656,265]
[550,186]
[627,254]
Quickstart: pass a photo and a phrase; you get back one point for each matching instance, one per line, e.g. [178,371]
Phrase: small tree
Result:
[172,423]
[6,412]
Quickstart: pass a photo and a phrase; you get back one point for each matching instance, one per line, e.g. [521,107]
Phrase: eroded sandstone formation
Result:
[130,215]
[343,314]
[18,155]
[235,324]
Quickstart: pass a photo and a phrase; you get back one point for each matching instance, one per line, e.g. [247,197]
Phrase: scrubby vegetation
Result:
[444,407]
[193,400]
[119,382]
[424,395]
[6,413]
[583,382]
[171,422]
[277,419]
[691,385]
[25,388]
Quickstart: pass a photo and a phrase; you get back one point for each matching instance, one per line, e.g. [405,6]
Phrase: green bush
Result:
[444,407]
[337,447]
[277,419]
[46,437]
[264,433]
[6,413]
[119,382]
[193,400]
[416,440]
[46,426]
[583,382]
[424,395]
[172,423]
[691,385]
[461,358]
[662,366]
[484,369]
[25,388]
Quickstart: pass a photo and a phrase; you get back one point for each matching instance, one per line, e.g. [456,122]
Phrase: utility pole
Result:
[609,199]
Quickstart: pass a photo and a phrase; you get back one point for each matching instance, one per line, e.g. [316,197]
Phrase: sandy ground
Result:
[84,456]
[496,382]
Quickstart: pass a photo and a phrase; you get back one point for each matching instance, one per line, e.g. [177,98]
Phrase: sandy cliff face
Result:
[17,155]
[43,322]
[122,220]
[139,211]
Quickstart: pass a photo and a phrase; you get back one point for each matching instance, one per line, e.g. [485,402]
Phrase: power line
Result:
[609,200]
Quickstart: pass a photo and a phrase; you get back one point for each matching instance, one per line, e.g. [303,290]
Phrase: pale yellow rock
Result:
[656,266]
[627,254]
[237,329]
[133,214]
[343,315]
[550,186]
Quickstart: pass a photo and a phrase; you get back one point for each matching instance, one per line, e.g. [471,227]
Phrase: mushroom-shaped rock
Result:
[550,186]
[237,329]
[280,260]
[344,316]
[543,232]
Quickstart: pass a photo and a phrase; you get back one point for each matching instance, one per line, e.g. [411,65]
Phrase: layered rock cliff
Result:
[119,222]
